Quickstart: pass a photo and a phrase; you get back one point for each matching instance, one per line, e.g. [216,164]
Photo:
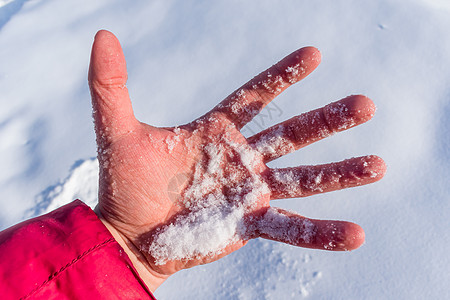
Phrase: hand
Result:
[183,196]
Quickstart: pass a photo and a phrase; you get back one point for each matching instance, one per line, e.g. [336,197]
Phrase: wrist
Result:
[151,278]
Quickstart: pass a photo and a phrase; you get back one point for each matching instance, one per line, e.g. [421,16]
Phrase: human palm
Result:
[157,182]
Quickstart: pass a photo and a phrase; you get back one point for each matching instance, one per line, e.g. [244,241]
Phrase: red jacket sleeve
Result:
[66,254]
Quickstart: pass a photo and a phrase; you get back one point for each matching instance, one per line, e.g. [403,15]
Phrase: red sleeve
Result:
[66,254]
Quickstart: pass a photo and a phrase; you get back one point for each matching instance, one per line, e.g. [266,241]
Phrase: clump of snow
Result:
[238,103]
[292,182]
[172,140]
[272,85]
[339,111]
[281,227]
[275,143]
[222,191]
[177,130]
[294,72]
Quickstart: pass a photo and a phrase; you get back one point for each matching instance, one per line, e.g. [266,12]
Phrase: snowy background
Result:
[185,56]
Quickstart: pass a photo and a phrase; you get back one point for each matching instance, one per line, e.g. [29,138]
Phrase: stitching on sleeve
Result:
[54,275]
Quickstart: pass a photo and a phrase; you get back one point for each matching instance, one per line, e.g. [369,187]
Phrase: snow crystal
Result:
[318,178]
[238,100]
[340,111]
[172,140]
[150,136]
[215,158]
[271,84]
[294,71]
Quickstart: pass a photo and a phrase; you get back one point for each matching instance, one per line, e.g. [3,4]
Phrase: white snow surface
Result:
[183,58]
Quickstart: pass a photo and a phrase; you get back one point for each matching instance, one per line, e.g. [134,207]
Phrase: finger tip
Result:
[375,166]
[364,102]
[106,42]
[107,64]
[341,236]
[308,58]
[360,107]
[312,54]
[355,237]
[349,112]
[104,34]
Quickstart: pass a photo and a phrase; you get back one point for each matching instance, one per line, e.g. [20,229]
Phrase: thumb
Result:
[113,113]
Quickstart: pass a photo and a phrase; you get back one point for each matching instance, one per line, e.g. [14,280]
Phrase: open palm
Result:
[188,195]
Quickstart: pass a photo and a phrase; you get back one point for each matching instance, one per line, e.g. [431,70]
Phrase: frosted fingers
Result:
[245,103]
[309,180]
[290,228]
[312,126]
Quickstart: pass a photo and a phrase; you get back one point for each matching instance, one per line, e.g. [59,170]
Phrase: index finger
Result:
[245,103]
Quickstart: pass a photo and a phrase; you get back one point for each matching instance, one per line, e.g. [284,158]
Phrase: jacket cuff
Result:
[67,253]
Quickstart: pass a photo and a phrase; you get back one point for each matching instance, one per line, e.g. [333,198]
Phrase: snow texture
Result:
[275,143]
[279,227]
[215,220]
[183,57]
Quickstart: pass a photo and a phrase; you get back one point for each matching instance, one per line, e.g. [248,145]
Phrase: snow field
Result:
[183,58]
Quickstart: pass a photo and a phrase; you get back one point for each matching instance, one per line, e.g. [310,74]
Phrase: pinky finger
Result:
[287,227]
